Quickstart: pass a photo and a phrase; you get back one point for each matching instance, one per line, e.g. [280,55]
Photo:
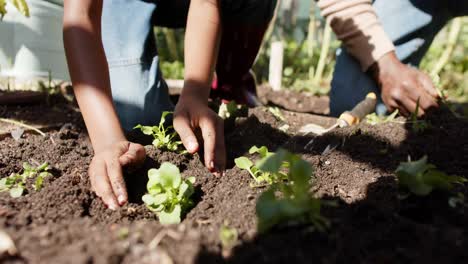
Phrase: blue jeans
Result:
[412,26]
[138,89]
[139,92]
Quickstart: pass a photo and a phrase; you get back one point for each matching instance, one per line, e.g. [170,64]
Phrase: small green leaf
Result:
[147,130]
[169,175]
[27,166]
[263,151]
[274,162]
[168,193]
[301,172]
[414,168]
[157,143]
[185,190]
[148,199]
[191,180]
[43,167]
[173,217]
[16,192]
[228,236]
[123,233]
[163,117]
[3,185]
[243,163]
[38,183]
[421,178]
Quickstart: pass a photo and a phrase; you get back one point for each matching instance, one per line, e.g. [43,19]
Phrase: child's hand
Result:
[105,171]
[193,113]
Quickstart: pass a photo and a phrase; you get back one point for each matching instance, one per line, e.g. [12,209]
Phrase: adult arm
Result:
[356,24]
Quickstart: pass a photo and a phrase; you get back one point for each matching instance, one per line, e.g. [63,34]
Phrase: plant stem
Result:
[454,32]
[323,53]
[17,123]
[253,175]
[171,43]
[311,31]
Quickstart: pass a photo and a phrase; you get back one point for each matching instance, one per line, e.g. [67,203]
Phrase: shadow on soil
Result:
[382,227]
[379,229]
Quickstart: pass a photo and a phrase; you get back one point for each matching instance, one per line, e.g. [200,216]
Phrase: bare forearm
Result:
[89,72]
[201,46]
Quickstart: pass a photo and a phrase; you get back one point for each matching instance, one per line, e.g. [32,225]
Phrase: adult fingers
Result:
[426,101]
[101,184]
[115,176]
[408,106]
[428,85]
[183,128]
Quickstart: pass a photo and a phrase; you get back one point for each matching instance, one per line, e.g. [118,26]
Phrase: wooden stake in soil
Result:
[276,65]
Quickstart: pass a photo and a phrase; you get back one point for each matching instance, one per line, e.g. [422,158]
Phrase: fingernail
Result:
[192,146]
[121,200]
[211,165]
[113,206]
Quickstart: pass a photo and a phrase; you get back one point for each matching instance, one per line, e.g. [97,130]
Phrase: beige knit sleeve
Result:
[356,24]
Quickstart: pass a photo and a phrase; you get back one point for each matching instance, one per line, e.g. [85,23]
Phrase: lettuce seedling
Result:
[257,174]
[288,200]
[228,236]
[164,137]
[168,194]
[16,183]
[276,112]
[421,177]
[374,119]
[228,110]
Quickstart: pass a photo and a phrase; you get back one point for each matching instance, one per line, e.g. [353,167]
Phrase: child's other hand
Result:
[105,171]
[193,113]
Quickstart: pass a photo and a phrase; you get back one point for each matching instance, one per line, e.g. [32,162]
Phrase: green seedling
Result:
[21,5]
[417,125]
[16,183]
[261,177]
[374,119]
[228,110]
[289,200]
[123,233]
[164,137]
[421,177]
[277,113]
[228,236]
[168,194]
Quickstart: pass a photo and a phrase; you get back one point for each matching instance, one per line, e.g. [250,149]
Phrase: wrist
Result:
[382,67]
[101,144]
[195,92]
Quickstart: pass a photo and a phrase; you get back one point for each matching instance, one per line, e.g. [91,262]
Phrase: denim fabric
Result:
[139,92]
[412,26]
[138,89]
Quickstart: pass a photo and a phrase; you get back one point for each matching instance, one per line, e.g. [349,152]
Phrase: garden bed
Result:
[65,222]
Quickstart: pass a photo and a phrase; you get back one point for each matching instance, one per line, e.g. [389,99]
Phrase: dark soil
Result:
[301,102]
[66,223]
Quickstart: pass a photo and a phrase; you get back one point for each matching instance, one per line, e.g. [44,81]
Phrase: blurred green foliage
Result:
[453,78]
[300,60]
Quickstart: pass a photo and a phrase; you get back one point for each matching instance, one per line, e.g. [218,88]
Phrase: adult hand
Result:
[192,113]
[105,171]
[402,86]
